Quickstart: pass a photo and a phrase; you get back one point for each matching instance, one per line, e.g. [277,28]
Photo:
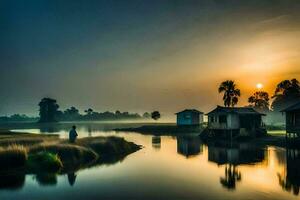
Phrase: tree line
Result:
[49,112]
[287,93]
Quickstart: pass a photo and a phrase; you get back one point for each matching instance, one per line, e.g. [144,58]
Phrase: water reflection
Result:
[12,181]
[290,179]
[233,155]
[236,154]
[232,176]
[189,145]
[72,178]
[246,169]
[156,142]
[46,179]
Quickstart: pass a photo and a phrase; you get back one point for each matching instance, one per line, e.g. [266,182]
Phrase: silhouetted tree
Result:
[48,110]
[146,115]
[89,111]
[71,113]
[287,93]
[260,101]
[231,94]
[155,115]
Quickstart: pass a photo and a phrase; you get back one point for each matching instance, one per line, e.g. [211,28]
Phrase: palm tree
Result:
[260,101]
[231,94]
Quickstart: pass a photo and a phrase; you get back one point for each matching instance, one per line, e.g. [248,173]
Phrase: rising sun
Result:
[259,86]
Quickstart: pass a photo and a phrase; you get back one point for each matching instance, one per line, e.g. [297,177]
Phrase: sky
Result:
[142,56]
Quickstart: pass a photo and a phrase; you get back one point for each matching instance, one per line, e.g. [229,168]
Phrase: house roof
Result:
[189,110]
[292,108]
[237,110]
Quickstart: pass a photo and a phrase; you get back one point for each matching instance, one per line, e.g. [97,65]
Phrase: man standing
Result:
[73,134]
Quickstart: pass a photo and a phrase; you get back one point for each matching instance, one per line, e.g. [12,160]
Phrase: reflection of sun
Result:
[259,86]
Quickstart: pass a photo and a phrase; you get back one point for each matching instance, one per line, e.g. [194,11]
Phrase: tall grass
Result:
[13,156]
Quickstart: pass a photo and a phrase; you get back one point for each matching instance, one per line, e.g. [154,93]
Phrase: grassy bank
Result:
[34,153]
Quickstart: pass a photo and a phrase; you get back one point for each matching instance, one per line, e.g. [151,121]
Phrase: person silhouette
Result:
[73,134]
[72,178]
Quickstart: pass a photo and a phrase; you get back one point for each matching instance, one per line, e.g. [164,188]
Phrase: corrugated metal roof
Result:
[238,110]
[190,110]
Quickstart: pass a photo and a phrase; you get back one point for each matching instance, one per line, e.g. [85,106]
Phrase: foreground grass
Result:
[44,153]
[13,156]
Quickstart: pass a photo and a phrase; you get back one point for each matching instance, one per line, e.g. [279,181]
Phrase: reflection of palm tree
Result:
[232,175]
[231,94]
[72,178]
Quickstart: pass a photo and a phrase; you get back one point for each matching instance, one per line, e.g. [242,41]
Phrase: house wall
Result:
[232,121]
[293,121]
[188,118]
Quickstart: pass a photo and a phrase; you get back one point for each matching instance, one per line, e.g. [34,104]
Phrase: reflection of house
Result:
[156,142]
[240,120]
[290,181]
[189,117]
[293,119]
[188,146]
[231,157]
[240,154]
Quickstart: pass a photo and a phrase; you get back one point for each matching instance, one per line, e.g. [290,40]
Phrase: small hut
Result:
[292,120]
[189,117]
[235,120]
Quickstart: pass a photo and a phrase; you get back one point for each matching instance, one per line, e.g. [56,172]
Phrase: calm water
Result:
[170,168]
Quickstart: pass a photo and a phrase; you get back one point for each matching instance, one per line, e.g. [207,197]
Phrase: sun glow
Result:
[259,85]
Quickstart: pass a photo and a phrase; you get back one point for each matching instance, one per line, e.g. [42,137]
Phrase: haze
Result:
[143,55]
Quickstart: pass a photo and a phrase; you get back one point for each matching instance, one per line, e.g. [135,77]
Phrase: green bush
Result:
[69,154]
[44,162]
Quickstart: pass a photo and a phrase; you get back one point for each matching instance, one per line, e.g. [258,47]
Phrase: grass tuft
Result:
[13,156]
[69,154]
[44,161]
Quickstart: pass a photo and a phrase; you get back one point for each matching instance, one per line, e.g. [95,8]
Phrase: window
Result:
[187,116]
[222,119]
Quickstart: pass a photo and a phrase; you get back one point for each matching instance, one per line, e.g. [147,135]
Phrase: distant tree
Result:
[118,113]
[155,115]
[146,115]
[71,113]
[260,101]
[286,93]
[231,93]
[89,111]
[48,110]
